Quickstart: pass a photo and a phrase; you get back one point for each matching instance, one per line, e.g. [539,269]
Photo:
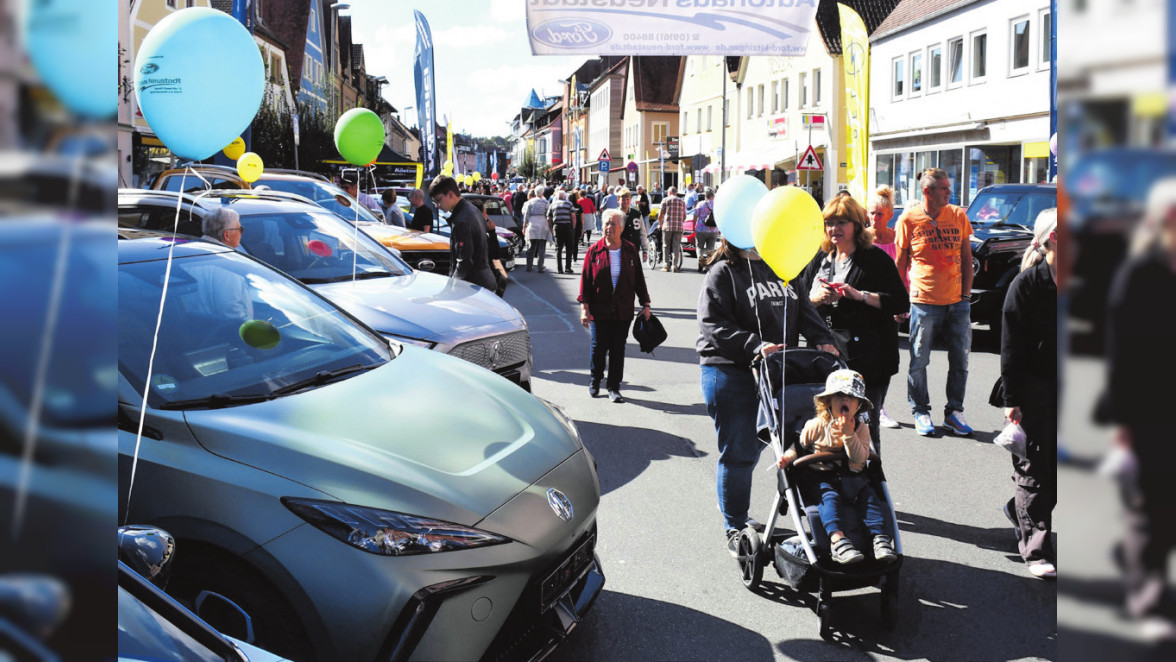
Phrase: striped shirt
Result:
[560,211]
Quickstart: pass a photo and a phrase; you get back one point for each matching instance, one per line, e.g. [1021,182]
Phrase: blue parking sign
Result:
[603,165]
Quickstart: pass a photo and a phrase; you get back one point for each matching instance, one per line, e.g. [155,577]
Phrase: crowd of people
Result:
[863,281]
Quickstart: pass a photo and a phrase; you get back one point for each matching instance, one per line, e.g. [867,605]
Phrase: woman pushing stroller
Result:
[836,428]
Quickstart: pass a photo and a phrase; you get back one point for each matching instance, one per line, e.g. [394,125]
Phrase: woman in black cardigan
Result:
[858,291]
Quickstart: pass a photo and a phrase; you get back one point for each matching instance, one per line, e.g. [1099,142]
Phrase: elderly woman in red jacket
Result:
[611,280]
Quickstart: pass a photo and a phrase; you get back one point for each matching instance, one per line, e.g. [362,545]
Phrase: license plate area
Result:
[561,580]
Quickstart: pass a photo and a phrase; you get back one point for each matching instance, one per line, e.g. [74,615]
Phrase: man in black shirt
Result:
[422,216]
[469,260]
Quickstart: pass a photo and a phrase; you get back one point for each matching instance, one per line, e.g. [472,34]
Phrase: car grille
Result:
[422,259]
[496,353]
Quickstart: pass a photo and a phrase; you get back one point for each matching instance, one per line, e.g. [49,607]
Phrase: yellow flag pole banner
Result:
[855,58]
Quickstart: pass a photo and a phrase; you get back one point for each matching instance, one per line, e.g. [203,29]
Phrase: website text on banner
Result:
[670,27]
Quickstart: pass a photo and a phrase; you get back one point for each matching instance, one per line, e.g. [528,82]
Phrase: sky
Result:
[484,67]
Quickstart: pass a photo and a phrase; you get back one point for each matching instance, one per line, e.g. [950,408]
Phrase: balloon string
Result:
[30,439]
[158,323]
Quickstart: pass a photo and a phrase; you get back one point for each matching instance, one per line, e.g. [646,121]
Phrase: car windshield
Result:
[323,194]
[1010,206]
[316,247]
[232,328]
[81,363]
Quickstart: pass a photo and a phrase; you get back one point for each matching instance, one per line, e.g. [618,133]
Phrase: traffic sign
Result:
[632,167]
[604,155]
[602,165]
[809,161]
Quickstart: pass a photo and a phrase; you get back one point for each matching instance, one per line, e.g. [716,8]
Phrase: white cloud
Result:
[470,37]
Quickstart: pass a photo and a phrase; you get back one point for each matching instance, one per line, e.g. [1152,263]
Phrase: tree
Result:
[527,166]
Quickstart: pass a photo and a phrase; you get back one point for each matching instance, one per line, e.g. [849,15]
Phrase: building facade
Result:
[650,118]
[605,122]
[962,86]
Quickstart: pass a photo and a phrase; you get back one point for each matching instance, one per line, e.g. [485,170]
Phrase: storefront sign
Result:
[778,127]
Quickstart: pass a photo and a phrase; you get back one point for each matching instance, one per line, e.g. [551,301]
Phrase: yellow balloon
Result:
[249,166]
[235,149]
[477,177]
[787,227]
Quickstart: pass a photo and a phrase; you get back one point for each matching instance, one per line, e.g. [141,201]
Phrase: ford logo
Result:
[572,33]
[560,504]
[149,68]
[426,265]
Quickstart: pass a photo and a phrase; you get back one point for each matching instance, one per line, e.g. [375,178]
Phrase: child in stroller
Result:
[803,557]
[837,429]
[655,244]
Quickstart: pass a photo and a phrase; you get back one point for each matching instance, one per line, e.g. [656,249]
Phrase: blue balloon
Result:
[69,43]
[734,204]
[200,80]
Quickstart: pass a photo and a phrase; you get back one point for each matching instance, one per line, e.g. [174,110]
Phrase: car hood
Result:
[406,240]
[984,232]
[425,434]
[424,306]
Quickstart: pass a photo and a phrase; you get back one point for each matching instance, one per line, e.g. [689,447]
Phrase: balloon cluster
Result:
[784,225]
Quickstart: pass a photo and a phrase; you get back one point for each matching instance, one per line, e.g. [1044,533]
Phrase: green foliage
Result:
[527,166]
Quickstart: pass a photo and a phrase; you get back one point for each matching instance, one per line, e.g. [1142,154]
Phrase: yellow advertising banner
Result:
[855,58]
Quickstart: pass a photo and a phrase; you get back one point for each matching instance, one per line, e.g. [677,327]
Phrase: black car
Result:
[1002,218]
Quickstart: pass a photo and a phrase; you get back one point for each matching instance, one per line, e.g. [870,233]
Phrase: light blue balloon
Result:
[734,203]
[70,44]
[199,80]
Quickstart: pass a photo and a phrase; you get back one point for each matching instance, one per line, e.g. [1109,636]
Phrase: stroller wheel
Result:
[751,558]
[824,618]
[890,600]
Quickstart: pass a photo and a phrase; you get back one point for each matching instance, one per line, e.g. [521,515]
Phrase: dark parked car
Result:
[1002,218]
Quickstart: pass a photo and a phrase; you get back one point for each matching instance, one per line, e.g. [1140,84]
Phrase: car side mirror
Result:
[148,551]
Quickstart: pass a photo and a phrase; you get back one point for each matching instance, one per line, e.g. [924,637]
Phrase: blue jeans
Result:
[608,339]
[955,323]
[839,492]
[732,401]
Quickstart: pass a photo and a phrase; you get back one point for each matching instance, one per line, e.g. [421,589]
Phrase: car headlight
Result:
[388,533]
[564,420]
[411,341]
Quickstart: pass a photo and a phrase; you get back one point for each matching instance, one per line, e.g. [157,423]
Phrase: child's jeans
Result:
[839,493]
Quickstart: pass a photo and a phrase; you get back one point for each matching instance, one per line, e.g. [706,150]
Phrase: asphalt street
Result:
[672,590]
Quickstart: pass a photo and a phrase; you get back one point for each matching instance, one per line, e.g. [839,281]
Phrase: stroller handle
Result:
[806,460]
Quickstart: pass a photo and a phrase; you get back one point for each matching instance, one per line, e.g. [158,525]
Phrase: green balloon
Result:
[359,136]
[260,334]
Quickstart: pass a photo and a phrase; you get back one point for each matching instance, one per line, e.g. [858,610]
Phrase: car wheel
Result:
[206,570]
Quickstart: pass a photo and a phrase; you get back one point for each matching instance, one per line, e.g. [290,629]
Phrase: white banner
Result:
[670,27]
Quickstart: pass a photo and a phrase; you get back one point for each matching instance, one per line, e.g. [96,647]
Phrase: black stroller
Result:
[802,558]
[655,244]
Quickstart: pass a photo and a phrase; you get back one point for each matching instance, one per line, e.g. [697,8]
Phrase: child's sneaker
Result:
[845,553]
[884,549]
[885,421]
[956,423]
[923,425]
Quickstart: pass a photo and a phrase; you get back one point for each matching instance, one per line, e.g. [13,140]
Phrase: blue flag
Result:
[426,95]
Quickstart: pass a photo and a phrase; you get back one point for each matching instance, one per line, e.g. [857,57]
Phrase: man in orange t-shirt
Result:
[933,240]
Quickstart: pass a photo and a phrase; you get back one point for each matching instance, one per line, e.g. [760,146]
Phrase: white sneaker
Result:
[1156,629]
[887,422]
[1043,569]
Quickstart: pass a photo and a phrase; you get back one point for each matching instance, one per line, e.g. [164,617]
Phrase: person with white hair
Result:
[535,227]
[612,200]
[1029,393]
[1140,366]
[223,226]
[561,216]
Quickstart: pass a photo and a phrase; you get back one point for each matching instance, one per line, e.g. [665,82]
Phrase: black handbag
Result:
[649,333]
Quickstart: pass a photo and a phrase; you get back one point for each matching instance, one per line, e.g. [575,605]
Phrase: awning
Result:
[558,166]
[763,158]
[387,156]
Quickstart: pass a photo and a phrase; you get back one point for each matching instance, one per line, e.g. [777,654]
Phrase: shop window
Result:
[899,68]
[1019,46]
[955,62]
[934,68]
[991,164]
[951,161]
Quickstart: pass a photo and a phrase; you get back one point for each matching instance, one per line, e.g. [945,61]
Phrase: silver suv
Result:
[318,248]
